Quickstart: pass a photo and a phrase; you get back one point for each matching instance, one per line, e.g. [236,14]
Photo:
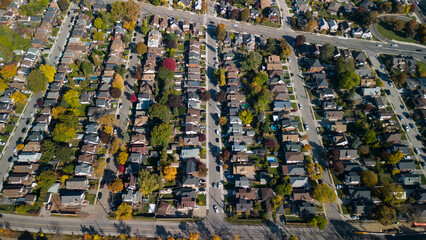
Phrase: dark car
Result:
[99,195]
[217,139]
[102,184]
[217,168]
[23,130]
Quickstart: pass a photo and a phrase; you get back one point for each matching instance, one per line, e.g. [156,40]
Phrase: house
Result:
[137,157]
[293,170]
[340,140]
[352,178]
[305,208]
[293,147]
[348,7]
[281,105]
[77,183]
[339,127]
[314,66]
[294,157]
[406,165]
[13,192]
[403,148]
[190,181]
[250,41]
[327,93]
[247,170]
[301,195]
[357,32]
[265,4]
[83,169]
[366,33]
[72,198]
[328,105]
[162,209]
[242,182]
[334,115]
[358,193]
[245,193]
[184,3]
[333,8]
[299,182]
[323,24]
[347,154]
[138,139]
[190,167]
[345,27]
[410,179]
[28,157]
[25,168]
[385,114]
[394,138]
[243,205]
[132,197]
[20,179]
[333,25]
[320,80]
[273,14]
[290,137]
[360,58]
[186,203]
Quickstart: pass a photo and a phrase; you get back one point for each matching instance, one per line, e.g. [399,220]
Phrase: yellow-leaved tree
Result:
[48,71]
[122,157]
[118,82]
[124,212]
[115,145]
[58,111]
[170,173]
[9,71]
[116,185]
[18,97]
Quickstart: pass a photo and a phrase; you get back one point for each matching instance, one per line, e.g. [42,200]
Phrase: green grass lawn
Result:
[422,68]
[389,34]
[297,118]
[201,200]
[292,97]
[285,68]
[91,198]
[294,106]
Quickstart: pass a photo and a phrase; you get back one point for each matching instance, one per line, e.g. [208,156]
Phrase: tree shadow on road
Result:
[161,231]
[90,230]
[122,228]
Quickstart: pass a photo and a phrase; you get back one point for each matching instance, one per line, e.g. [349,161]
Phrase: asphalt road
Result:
[398,105]
[314,139]
[215,195]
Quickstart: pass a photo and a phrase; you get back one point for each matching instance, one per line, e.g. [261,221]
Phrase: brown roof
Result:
[290,137]
[32,147]
[294,157]
[163,208]
[266,193]
[240,157]
[193,112]
[87,158]
[14,192]
[90,148]
[248,194]
[273,59]
[138,138]
[339,127]
[25,168]
[334,115]
[186,202]
[140,121]
[300,194]
[244,169]
[392,137]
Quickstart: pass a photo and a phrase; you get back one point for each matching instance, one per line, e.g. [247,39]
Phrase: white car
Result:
[306,127]
[216,210]
[300,106]
[15,149]
[379,45]
[235,25]
[2,143]
[394,45]
[217,131]
[218,185]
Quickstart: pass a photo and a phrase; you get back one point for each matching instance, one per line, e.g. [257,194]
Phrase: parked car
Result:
[416,150]
[394,45]
[102,184]
[2,143]
[406,128]
[300,106]
[202,181]
[306,127]
[412,126]
[15,149]
[379,45]
[216,210]
[400,117]
[218,185]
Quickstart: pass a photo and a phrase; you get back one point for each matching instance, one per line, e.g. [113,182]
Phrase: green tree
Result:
[327,53]
[48,150]
[99,24]
[87,68]
[246,116]
[349,80]
[221,31]
[148,182]
[46,179]
[370,137]
[160,134]
[124,212]
[71,97]
[37,81]
[21,209]
[145,26]
[4,4]
[245,14]
[159,112]
[98,36]
[165,78]
[68,169]
[324,194]
[284,189]
[391,193]
[385,215]
[411,28]
[369,178]
[261,78]
[141,48]
[252,61]
[344,65]
[64,154]
[63,133]
[63,5]
[394,157]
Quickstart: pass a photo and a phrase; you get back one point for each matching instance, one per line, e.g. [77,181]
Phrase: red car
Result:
[102,184]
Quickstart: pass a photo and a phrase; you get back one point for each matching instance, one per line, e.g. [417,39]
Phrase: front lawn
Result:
[386,32]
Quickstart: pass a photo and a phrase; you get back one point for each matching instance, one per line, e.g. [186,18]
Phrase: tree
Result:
[318,221]
[327,53]
[399,78]
[5,3]
[36,81]
[68,169]
[205,96]
[216,237]
[283,49]
[201,137]
[202,169]
[21,209]
[160,134]
[223,120]
[170,173]
[71,97]
[246,117]
[3,85]
[311,25]
[300,40]
[124,212]
[165,78]
[48,71]
[170,43]
[385,215]
[98,36]
[272,144]
[118,82]
[115,92]
[284,189]
[148,182]
[252,61]
[391,193]
[270,46]
[410,28]
[369,178]
[63,133]
[141,48]
[122,157]
[221,31]
[63,5]
[18,97]
[349,80]
[170,64]
[116,185]
[98,167]
[133,98]
[99,24]
[48,149]
[115,145]
[9,71]
[324,194]
[245,14]
[204,6]
[174,101]
[370,137]
[221,97]
[394,157]
[338,167]
[159,112]
[344,65]
[261,78]
[145,26]
[46,179]
[398,25]
[293,237]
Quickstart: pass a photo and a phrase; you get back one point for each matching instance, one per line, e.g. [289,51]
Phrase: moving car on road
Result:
[306,127]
